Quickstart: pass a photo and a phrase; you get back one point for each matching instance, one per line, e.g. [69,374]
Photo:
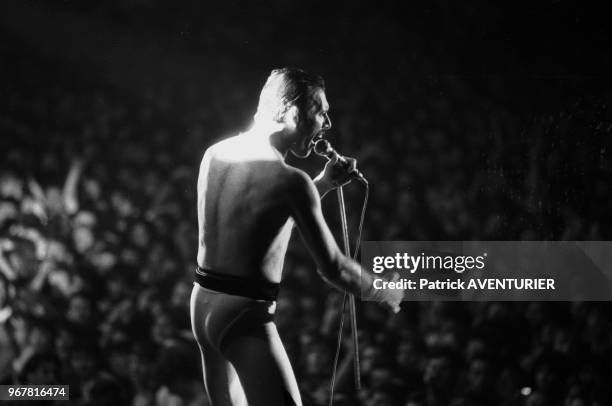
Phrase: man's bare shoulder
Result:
[300,186]
[260,157]
[217,147]
[292,180]
[243,148]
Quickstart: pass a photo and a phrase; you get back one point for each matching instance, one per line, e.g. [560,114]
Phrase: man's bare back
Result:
[244,209]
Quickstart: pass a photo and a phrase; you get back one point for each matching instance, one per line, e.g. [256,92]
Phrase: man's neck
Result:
[276,134]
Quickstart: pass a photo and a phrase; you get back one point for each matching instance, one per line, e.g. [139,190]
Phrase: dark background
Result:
[471,120]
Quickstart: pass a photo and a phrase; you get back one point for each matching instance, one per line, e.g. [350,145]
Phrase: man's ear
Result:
[292,116]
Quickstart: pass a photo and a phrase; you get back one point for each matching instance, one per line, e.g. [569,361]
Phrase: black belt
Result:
[234,285]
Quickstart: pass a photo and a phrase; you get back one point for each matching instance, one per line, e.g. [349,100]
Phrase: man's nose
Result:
[327,124]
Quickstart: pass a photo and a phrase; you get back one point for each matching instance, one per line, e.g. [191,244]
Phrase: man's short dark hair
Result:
[286,87]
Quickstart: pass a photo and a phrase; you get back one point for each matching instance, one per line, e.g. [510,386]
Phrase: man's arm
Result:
[321,186]
[70,193]
[337,269]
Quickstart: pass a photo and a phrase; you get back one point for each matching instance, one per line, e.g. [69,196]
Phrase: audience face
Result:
[163,329]
[118,362]
[370,356]
[475,347]
[23,260]
[140,235]
[181,294]
[79,311]
[41,339]
[407,356]
[8,211]
[83,239]
[380,379]
[11,187]
[480,377]
[64,341]
[438,374]
[316,359]
[83,362]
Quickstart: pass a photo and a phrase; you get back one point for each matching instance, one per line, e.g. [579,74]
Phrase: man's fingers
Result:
[395,307]
[352,165]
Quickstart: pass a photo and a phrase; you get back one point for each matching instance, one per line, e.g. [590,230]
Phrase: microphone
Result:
[323,148]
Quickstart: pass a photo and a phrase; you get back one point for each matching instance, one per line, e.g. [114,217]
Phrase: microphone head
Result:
[322,147]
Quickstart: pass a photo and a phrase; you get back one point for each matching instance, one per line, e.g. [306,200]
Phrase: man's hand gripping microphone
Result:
[323,148]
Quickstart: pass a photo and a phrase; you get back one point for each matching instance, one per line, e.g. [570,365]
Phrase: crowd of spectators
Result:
[98,240]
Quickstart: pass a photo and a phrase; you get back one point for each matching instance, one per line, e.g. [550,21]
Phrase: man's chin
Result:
[301,154]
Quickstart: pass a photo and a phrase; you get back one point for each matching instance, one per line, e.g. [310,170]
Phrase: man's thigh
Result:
[221,381]
[262,365]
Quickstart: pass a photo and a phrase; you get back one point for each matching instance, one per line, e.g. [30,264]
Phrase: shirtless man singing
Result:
[248,202]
